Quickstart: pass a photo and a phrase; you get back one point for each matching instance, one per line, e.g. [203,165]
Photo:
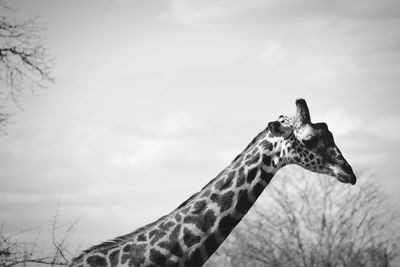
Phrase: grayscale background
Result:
[153,98]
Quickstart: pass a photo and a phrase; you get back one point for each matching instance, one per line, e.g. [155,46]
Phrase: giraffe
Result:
[191,233]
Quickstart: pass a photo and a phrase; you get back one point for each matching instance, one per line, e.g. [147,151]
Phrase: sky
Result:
[153,98]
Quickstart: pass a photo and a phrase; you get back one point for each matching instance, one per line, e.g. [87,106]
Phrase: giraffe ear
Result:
[278,129]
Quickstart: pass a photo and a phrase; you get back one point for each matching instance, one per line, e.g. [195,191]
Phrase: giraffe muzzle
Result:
[349,174]
[345,174]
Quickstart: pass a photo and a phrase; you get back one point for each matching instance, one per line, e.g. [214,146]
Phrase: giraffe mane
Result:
[255,139]
[184,203]
[117,240]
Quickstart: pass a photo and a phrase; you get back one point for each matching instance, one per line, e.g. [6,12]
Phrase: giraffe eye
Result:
[310,142]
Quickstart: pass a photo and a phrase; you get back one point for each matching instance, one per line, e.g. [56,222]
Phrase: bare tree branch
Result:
[24,61]
[315,222]
[14,252]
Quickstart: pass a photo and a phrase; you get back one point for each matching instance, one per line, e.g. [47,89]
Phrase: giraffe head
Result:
[311,145]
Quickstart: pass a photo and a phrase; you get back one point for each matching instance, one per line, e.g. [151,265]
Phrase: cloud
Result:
[383,127]
[171,136]
[123,2]
[217,13]
[341,124]
[209,13]
[273,54]
[387,127]
[149,150]
[180,123]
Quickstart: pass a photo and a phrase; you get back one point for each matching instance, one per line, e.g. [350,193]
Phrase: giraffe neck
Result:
[213,213]
[190,234]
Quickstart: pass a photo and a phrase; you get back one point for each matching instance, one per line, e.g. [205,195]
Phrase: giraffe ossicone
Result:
[191,233]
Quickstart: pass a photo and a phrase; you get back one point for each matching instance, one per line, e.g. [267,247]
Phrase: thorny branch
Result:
[14,252]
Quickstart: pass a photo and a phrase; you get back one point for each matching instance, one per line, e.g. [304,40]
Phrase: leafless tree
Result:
[24,61]
[14,252]
[315,222]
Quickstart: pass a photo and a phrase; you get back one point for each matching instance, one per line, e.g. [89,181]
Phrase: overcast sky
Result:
[153,98]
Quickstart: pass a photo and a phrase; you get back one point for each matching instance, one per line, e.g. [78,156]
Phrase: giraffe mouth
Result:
[343,174]
[347,178]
